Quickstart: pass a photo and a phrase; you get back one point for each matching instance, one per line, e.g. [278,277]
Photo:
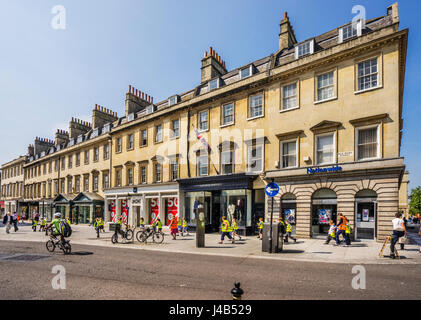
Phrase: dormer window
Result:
[246,72]
[352,30]
[304,49]
[173,100]
[214,84]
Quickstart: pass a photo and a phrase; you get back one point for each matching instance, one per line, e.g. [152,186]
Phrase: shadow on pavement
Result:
[219,247]
[320,252]
[292,251]
[82,253]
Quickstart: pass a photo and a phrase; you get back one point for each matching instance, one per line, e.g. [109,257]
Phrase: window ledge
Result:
[131,149]
[368,159]
[226,125]
[158,142]
[325,100]
[201,131]
[253,118]
[290,109]
[144,146]
[366,90]
[175,138]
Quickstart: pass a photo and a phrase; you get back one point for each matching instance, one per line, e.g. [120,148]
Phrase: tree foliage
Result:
[415,201]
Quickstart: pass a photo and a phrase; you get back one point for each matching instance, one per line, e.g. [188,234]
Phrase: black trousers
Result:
[395,238]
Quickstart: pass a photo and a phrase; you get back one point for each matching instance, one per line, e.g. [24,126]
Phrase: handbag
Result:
[403,240]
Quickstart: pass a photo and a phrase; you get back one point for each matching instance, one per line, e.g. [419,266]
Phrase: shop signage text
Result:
[324,170]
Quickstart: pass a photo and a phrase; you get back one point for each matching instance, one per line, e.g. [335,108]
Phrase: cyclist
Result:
[56,224]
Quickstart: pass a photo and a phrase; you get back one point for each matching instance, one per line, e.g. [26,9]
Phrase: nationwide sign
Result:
[324,170]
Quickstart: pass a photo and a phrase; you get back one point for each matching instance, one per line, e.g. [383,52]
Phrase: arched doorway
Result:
[366,214]
[324,208]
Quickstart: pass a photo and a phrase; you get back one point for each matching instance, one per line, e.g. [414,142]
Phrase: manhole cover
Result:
[25,257]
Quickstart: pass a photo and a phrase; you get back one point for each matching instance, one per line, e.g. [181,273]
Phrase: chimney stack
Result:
[136,100]
[212,66]
[61,137]
[102,116]
[287,36]
[78,127]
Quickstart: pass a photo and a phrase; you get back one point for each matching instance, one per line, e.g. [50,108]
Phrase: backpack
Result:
[66,230]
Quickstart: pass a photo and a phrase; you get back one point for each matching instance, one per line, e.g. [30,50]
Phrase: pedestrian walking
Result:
[154,225]
[179,227]
[142,223]
[235,229]
[399,231]
[332,232]
[34,225]
[340,229]
[15,221]
[174,227]
[347,232]
[159,225]
[7,221]
[184,227]
[23,218]
[225,228]
[97,226]
[42,224]
[289,232]
[260,228]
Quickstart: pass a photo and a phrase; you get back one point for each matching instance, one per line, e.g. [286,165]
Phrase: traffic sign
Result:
[272,189]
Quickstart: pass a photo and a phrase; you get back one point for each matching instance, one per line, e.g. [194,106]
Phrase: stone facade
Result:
[291,117]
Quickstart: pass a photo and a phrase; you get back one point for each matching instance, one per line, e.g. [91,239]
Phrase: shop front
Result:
[46,209]
[86,208]
[216,196]
[366,193]
[63,203]
[150,202]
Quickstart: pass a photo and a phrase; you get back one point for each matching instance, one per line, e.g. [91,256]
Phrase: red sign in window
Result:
[172,209]
[154,210]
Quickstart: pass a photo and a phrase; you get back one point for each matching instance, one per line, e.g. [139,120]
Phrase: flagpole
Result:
[208,147]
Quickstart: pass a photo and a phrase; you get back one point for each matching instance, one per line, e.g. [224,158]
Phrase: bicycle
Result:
[143,236]
[126,234]
[55,242]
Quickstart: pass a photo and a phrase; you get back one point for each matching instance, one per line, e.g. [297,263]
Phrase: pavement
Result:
[310,250]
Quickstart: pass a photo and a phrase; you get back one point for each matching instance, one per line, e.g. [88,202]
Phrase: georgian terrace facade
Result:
[322,117]
[12,184]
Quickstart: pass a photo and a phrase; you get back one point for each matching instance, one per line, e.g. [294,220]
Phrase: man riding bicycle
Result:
[56,224]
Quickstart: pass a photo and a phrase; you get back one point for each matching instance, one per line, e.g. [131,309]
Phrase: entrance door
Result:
[320,218]
[216,211]
[365,220]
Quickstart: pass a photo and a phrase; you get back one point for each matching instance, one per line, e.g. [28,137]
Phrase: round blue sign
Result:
[272,189]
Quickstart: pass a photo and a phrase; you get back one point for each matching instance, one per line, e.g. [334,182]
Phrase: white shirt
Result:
[397,224]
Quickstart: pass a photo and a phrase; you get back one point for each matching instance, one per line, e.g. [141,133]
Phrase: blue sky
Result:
[47,76]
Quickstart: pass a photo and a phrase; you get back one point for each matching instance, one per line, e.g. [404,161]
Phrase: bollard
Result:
[237,292]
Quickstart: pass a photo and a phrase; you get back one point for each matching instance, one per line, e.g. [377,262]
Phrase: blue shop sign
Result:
[135,190]
[272,189]
[324,170]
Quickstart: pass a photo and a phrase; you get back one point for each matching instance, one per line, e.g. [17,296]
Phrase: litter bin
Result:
[277,238]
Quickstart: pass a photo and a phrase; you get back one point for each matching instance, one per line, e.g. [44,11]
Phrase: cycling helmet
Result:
[57,215]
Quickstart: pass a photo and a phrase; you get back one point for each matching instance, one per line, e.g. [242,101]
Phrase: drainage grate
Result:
[23,257]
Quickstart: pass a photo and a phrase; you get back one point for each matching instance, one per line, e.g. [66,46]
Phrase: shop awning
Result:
[214,183]
[64,198]
[88,197]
